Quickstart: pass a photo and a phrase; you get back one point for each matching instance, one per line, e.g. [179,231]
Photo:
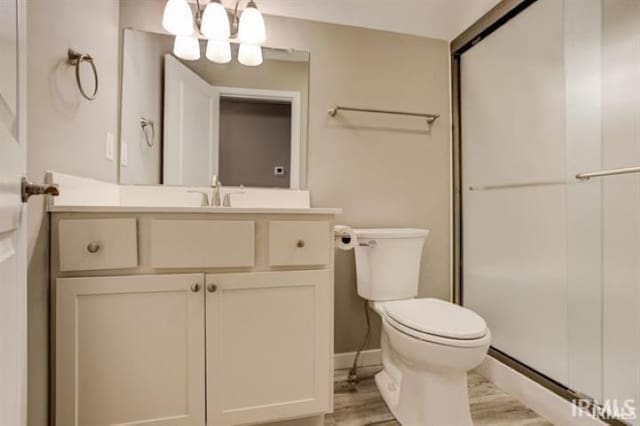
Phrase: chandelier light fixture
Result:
[218,27]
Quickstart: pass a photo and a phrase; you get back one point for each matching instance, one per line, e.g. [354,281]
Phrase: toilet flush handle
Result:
[370,244]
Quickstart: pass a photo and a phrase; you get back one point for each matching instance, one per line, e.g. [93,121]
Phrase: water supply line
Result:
[352,378]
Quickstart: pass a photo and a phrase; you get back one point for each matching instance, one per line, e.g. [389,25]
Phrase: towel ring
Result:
[144,123]
[75,59]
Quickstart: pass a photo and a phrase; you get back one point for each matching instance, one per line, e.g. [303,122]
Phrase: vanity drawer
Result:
[202,244]
[294,243]
[94,244]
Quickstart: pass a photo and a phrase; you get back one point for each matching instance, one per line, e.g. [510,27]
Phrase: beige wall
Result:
[255,137]
[66,133]
[383,171]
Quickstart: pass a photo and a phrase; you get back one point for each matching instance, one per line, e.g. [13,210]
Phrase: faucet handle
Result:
[227,198]
[204,199]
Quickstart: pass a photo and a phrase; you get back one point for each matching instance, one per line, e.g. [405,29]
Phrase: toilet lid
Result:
[437,317]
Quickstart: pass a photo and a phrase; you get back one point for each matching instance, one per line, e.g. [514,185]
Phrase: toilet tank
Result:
[388,262]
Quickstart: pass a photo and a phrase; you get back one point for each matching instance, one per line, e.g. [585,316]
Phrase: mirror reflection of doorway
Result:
[255,142]
[246,136]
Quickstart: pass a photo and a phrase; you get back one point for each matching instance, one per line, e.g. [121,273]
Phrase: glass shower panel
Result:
[552,262]
[583,138]
[621,202]
[514,204]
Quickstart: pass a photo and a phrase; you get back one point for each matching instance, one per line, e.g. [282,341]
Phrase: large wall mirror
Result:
[184,121]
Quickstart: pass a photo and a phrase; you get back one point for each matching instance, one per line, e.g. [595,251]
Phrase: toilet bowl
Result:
[428,345]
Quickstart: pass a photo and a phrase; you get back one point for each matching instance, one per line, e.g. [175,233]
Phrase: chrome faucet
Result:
[216,200]
[227,196]
[217,190]
[204,197]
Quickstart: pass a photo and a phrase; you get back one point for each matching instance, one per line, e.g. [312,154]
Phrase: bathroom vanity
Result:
[191,315]
[175,300]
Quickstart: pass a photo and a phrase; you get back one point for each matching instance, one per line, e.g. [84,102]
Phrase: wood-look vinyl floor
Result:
[489,405]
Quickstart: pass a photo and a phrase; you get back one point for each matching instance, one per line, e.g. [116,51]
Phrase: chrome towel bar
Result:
[609,172]
[430,117]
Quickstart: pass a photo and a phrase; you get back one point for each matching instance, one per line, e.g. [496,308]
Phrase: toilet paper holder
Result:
[344,238]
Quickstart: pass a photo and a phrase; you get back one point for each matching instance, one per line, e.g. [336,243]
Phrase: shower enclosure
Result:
[544,92]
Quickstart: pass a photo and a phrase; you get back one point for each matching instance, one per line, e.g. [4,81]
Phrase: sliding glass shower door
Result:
[552,261]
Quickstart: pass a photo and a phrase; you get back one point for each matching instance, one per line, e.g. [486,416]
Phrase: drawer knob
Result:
[93,247]
[195,287]
[211,288]
[300,243]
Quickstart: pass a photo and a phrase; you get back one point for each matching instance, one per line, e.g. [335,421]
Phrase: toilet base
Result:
[426,399]
[389,390]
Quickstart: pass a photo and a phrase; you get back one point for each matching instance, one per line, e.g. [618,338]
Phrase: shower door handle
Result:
[608,172]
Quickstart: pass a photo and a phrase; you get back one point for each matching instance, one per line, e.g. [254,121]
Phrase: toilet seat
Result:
[436,321]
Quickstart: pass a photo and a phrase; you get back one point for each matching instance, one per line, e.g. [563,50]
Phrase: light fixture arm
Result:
[198,16]
[233,18]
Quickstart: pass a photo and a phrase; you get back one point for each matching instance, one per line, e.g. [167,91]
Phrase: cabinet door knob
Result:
[300,243]
[211,288]
[195,287]
[93,247]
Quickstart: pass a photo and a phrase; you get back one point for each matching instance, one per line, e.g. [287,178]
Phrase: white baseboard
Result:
[538,398]
[367,358]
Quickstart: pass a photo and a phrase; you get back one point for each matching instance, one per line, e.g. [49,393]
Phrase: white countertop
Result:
[209,210]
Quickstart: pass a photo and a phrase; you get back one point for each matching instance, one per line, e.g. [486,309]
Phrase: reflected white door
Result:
[13,275]
[191,108]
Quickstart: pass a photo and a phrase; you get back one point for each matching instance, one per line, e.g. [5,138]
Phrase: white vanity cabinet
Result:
[159,318]
[130,349]
[263,334]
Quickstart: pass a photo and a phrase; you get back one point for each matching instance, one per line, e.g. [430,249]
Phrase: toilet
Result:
[428,345]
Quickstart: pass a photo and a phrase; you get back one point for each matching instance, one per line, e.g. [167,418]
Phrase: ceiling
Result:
[442,19]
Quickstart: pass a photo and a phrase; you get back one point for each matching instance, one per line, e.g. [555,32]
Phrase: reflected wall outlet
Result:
[109,148]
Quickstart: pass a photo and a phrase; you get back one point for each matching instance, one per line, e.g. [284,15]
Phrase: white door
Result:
[13,274]
[191,108]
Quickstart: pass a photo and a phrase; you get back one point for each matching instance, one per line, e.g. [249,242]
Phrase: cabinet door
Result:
[269,348]
[130,350]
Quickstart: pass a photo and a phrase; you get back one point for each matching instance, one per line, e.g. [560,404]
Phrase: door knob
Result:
[300,243]
[195,287]
[29,189]
[211,288]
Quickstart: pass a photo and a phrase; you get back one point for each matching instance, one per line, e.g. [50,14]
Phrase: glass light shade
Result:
[219,51]
[251,28]
[187,48]
[250,55]
[178,18]
[215,22]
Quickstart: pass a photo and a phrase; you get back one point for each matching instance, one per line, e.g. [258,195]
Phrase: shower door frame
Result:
[495,18]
